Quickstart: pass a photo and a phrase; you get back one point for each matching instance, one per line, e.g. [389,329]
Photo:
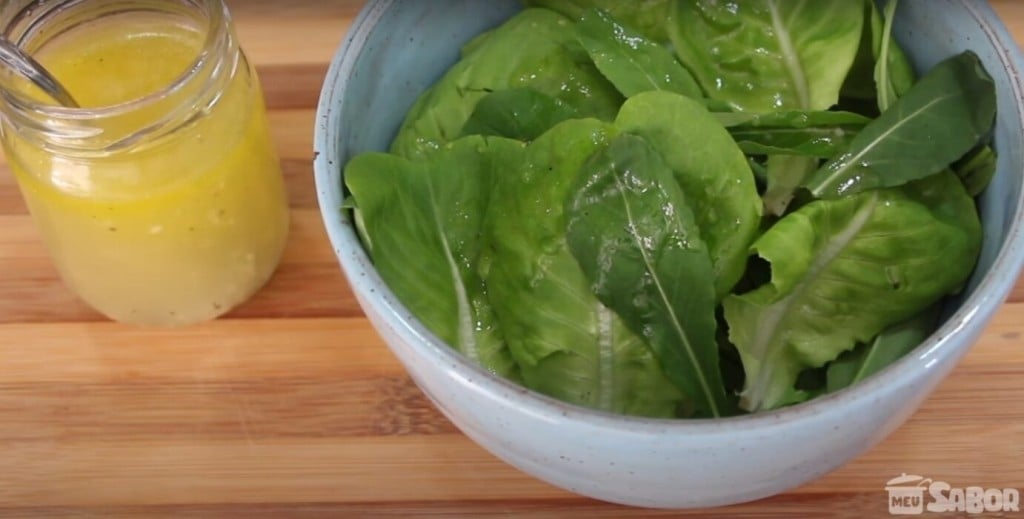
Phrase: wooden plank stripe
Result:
[852,505]
[385,404]
[398,468]
[237,349]
[218,351]
[250,410]
[292,86]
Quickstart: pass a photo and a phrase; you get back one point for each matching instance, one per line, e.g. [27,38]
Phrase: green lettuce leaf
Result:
[535,49]
[783,175]
[844,270]
[567,343]
[637,241]
[894,342]
[631,62]
[937,121]
[893,73]
[872,73]
[520,113]
[768,55]
[711,169]
[646,16]
[977,168]
[424,219]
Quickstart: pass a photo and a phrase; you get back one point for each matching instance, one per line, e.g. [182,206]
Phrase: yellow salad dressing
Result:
[176,230]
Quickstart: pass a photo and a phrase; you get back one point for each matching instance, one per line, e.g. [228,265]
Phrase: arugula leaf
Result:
[637,241]
[424,220]
[631,62]
[792,119]
[842,271]
[867,359]
[567,343]
[804,50]
[711,169]
[810,134]
[792,140]
[937,121]
[520,113]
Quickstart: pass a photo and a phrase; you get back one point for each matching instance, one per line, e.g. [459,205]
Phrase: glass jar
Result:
[161,200]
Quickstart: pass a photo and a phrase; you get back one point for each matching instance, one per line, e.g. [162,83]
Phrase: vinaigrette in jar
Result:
[161,199]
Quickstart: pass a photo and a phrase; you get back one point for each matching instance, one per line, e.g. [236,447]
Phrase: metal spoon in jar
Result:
[18,63]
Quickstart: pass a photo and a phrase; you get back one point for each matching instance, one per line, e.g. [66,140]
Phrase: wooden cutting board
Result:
[292,407]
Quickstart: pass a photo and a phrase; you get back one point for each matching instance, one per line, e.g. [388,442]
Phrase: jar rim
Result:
[218,23]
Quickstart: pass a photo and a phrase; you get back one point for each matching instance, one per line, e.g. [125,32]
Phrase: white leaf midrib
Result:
[874,143]
[676,325]
[465,332]
[790,56]
[769,325]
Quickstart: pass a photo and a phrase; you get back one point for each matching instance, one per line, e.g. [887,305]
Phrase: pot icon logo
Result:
[906,494]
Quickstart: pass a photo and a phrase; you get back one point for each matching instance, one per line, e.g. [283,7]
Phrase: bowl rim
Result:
[938,349]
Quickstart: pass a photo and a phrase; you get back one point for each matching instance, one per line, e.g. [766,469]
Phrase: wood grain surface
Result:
[291,406]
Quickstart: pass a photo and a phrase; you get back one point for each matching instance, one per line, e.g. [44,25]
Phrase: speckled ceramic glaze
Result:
[397,48]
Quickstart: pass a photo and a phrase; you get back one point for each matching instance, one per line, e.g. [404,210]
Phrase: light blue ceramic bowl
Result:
[397,48]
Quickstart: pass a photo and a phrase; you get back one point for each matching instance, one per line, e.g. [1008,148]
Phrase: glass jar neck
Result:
[132,123]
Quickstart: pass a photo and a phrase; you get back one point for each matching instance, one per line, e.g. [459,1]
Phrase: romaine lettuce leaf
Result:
[535,49]
[567,343]
[519,113]
[842,271]
[893,73]
[646,16]
[894,342]
[632,63]
[769,55]
[424,219]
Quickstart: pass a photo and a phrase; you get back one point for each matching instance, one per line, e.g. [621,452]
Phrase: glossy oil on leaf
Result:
[937,121]
[638,243]
[535,49]
[424,220]
[768,55]
[844,270]
[520,113]
[712,170]
[568,344]
[631,62]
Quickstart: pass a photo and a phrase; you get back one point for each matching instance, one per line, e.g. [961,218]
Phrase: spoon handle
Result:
[24,65]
